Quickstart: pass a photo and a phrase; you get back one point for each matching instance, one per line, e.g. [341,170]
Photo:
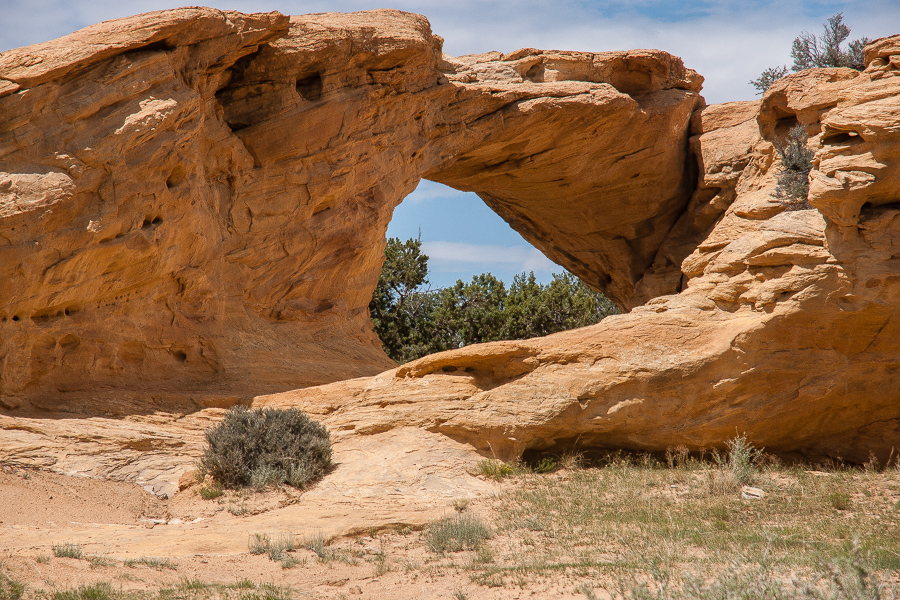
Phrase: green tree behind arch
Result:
[413,320]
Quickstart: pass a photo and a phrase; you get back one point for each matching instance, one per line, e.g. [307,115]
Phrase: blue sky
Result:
[463,237]
[729,42]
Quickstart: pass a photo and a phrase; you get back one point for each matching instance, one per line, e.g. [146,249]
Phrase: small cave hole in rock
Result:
[309,86]
[180,356]
[841,138]
[784,124]
[160,46]
[178,175]
[449,369]
[148,222]
[15,317]
[536,73]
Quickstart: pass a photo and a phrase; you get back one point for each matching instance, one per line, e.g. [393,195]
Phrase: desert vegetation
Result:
[733,524]
[264,447]
[793,173]
[413,320]
[721,524]
[810,51]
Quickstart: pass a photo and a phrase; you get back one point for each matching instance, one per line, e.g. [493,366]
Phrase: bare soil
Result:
[581,533]
[390,563]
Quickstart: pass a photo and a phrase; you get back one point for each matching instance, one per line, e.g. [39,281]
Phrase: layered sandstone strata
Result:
[193,206]
[193,202]
[787,329]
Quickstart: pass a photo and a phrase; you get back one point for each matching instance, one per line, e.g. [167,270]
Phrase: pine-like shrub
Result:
[810,51]
[266,446]
[793,174]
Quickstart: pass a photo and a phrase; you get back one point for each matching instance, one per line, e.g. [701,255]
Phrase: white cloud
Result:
[462,256]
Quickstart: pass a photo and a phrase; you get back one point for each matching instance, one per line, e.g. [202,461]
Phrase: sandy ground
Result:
[49,509]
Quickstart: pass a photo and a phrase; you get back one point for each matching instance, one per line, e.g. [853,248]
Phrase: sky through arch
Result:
[463,237]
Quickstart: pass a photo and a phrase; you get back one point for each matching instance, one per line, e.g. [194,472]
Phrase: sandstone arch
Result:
[193,206]
[194,201]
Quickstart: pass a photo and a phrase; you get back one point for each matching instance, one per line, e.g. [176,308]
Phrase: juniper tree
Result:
[412,320]
[810,51]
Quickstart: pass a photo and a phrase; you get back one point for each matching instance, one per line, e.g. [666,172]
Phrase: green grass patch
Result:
[463,531]
[494,469]
[153,562]
[274,547]
[67,550]
[10,589]
[212,492]
[98,591]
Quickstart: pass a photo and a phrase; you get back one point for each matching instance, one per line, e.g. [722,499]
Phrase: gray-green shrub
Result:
[461,532]
[266,446]
[793,174]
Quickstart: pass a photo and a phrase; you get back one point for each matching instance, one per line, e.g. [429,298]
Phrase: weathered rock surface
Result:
[195,220]
[787,329]
[400,477]
[193,202]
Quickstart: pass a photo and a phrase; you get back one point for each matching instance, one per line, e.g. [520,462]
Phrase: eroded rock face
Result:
[786,330]
[193,202]
[193,206]
[596,171]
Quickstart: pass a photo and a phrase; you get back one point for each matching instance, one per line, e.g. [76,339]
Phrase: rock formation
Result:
[786,330]
[193,202]
[193,206]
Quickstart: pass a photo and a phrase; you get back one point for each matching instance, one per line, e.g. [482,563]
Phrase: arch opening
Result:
[464,237]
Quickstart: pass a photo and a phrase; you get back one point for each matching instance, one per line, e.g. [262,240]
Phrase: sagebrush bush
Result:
[793,174]
[743,459]
[266,446]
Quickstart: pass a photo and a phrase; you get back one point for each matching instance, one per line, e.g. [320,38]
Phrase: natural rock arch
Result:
[194,204]
[195,201]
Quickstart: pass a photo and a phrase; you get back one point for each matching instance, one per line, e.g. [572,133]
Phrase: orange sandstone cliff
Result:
[193,206]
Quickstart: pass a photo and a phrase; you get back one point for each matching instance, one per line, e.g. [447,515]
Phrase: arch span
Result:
[194,202]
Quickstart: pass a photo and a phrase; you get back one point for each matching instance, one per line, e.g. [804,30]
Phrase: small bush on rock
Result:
[265,447]
[793,175]
[810,51]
